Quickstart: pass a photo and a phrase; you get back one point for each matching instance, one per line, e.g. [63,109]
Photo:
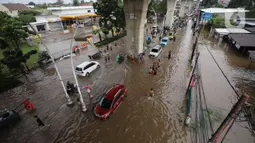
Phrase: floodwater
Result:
[219,95]
[138,119]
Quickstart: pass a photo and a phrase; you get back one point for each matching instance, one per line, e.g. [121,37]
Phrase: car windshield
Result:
[105,103]
[154,50]
[78,69]
[164,40]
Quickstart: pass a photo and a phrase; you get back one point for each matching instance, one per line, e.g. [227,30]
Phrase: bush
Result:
[109,40]
[8,83]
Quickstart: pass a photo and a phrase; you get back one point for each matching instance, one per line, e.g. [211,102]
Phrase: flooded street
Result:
[139,119]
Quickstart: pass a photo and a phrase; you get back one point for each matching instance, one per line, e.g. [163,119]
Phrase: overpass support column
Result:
[135,14]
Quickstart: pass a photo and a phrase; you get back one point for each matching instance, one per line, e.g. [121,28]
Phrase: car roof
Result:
[111,93]
[83,64]
[165,38]
[156,47]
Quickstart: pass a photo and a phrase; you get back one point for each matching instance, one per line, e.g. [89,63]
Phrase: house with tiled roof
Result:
[13,8]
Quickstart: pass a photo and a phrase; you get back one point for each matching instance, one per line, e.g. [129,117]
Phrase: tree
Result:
[239,3]
[11,35]
[160,6]
[112,15]
[82,1]
[76,3]
[209,3]
[97,31]
[31,3]
[59,2]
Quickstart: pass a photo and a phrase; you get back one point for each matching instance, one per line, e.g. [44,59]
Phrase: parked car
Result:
[85,68]
[164,41]
[8,117]
[110,101]
[95,56]
[155,51]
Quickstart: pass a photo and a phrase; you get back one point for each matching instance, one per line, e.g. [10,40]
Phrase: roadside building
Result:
[243,42]
[250,29]
[13,9]
[222,33]
[63,18]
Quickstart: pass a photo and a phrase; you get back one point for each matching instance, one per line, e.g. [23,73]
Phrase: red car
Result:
[110,101]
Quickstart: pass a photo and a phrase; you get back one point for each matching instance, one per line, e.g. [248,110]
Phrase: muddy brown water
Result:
[138,119]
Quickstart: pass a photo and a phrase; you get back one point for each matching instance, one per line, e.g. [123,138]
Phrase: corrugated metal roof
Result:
[15,6]
[251,29]
[243,40]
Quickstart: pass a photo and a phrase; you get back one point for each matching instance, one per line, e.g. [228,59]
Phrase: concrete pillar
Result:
[47,27]
[170,12]
[135,14]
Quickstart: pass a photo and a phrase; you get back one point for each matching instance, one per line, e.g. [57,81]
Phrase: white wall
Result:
[4,9]
[72,11]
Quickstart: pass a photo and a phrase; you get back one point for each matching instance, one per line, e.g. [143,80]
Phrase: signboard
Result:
[207,16]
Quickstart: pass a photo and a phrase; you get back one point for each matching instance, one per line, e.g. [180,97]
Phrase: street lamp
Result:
[83,106]
[163,23]
[69,101]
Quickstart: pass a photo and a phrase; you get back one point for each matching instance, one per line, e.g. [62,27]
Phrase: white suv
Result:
[155,51]
[85,68]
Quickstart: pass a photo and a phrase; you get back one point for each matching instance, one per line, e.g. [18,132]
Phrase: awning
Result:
[77,16]
[224,10]
[222,31]
[244,40]
[227,31]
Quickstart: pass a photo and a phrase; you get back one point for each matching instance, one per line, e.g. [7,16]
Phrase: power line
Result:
[223,73]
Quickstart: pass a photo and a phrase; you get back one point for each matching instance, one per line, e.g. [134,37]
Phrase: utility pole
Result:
[69,101]
[193,70]
[83,106]
[231,116]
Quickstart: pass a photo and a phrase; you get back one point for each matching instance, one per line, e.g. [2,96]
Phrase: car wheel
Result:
[98,66]
[87,74]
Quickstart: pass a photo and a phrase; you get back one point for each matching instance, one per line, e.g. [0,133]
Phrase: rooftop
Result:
[227,31]
[15,6]
[243,40]
[69,8]
[223,10]
[250,29]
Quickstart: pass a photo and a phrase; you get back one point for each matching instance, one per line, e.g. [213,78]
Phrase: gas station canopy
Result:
[77,16]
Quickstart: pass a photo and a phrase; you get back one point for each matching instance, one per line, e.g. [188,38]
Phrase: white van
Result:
[155,51]
[85,68]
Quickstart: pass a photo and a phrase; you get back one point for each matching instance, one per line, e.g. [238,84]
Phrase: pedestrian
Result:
[174,38]
[158,63]
[107,47]
[88,90]
[39,121]
[104,51]
[105,58]
[108,57]
[78,99]
[155,71]
[111,48]
[159,38]
[150,71]
[169,55]
[151,92]
[133,58]
[115,44]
